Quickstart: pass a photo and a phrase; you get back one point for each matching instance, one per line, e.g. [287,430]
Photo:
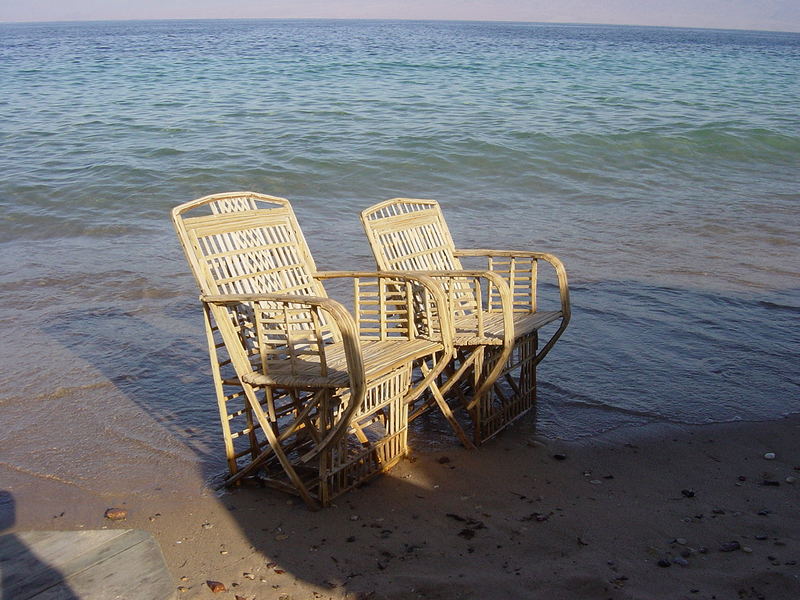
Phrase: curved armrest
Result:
[506,300]
[430,285]
[350,340]
[558,266]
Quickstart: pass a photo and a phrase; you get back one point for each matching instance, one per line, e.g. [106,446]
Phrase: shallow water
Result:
[662,166]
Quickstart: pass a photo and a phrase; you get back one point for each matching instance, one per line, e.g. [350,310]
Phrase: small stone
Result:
[216,586]
[184,578]
[206,526]
[443,460]
[790,480]
[679,560]
[560,456]
[664,563]
[281,536]
[730,546]
[596,482]
[249,576]
[223,552]
[681,541]
[354,517]
[769,456]
[747,549]
[182,589]
[688,493]
[116,514]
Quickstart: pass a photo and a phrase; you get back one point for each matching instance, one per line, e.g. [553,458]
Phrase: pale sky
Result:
[781,15]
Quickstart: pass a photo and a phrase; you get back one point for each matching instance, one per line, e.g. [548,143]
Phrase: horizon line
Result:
[394,19]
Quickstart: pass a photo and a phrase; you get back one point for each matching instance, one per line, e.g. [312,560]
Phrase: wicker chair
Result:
[311,399]
[494,311]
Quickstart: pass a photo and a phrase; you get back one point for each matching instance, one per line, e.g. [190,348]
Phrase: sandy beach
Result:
[653,512]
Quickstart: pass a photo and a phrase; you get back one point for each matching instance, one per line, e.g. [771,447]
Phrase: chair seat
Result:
[524,323]
[380,357]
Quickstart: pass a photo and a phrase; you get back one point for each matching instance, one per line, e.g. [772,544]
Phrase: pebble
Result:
[747,549]
[206,526]
[688,493]
[281,536]
[664,563]
[216,586]
[730,546]
[790,480]
[249,576]
[679,560]
[595,482]
[560,456]
[116,514]
[769,456]
[183,588]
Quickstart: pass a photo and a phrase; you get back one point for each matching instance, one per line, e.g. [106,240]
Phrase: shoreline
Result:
[521,517]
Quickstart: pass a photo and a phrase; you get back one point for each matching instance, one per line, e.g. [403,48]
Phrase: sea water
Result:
[661,165]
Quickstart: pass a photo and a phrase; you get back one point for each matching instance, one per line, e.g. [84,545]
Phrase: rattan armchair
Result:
[494,310]
[312,399]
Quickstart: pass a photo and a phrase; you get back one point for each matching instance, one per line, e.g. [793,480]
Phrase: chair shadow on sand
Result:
[23,574]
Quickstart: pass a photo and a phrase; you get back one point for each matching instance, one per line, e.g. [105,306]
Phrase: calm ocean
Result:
[662,166]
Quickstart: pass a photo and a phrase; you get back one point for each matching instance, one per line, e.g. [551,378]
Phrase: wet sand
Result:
[657,512]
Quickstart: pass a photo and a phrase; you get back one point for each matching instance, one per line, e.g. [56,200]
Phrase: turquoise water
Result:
[662,165]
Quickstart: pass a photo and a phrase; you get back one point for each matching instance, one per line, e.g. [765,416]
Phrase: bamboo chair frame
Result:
[494,312]
[311,398]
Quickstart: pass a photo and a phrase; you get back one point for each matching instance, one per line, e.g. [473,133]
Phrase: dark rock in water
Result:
[116,514]
[730,546]
[216,586]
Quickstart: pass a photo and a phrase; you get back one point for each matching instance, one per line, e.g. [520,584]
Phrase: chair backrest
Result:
[250,243]
[410,234]
[246,243]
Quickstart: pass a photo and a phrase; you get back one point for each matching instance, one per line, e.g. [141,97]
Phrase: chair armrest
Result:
[350,340]
[428,283]
[555,262]
[499,283]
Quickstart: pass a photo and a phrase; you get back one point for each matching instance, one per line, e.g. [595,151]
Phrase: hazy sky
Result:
[781,15]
